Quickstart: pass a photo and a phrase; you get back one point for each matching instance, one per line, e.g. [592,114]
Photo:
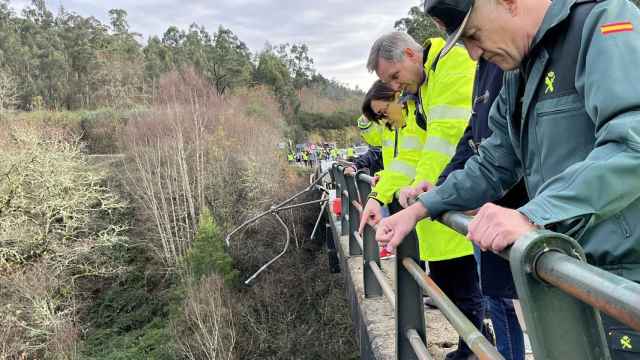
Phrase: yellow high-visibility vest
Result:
[399,162]
[445,103]
[370,131]
[350,152]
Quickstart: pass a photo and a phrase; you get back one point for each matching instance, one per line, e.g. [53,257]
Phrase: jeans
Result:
[509,338]
[385,212]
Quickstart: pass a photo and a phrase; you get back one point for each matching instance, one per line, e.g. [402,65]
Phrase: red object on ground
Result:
[386,254]
[336,206]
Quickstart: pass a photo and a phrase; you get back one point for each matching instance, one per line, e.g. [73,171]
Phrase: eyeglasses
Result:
[383,113]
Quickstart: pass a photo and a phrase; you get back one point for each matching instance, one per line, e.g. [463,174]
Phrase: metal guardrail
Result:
[560,293]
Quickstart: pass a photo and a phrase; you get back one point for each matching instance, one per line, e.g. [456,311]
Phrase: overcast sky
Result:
[338,32]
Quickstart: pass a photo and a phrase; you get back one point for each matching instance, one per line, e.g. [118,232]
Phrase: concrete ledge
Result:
[374,319]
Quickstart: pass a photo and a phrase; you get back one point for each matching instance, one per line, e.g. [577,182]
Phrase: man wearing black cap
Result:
[567,122]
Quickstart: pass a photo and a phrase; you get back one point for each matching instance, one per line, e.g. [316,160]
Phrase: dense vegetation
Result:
[121,256]
[70,62]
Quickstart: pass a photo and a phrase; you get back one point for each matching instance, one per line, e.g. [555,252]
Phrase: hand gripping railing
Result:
[561,295]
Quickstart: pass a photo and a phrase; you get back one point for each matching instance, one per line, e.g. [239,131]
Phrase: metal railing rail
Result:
[561,294]
[410,340]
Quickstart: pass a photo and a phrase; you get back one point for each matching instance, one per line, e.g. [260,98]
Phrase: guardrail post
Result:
[371,252]
[354,215]
[559,326]
[341,190]
[332,251]
[409,306]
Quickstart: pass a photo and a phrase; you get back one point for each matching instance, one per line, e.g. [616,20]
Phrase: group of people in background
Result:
[312,154]
[527,116]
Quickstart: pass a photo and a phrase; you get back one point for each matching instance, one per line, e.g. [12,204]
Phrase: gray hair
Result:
[390,47]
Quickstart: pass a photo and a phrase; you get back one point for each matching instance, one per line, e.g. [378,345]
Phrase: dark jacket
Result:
[371,160]
[495,273]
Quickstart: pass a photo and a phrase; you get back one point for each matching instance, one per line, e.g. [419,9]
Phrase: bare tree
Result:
[8,91]
[210,330]
[168,147]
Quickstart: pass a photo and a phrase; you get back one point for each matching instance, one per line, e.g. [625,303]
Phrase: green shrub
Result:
[153,341]
[207,254]
[132,317]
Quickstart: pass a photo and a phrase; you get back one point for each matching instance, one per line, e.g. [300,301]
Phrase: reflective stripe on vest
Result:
[440,145]
[388,143]
[364,125]
[449,112]
[410,143]
[403,168]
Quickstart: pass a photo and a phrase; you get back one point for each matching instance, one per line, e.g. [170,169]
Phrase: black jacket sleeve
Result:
[463,153]
[371,160]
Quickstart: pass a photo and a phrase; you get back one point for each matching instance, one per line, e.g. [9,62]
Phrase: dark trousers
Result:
[458,279]
[624,343]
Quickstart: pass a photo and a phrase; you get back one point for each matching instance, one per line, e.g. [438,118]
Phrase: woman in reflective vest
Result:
[402,139]
[370,131]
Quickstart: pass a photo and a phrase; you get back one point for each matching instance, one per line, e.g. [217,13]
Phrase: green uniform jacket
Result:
[577,142]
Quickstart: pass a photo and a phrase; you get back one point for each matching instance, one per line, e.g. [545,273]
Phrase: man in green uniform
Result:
[567,121]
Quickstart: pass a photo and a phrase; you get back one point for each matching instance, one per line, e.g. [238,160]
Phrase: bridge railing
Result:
[560,293]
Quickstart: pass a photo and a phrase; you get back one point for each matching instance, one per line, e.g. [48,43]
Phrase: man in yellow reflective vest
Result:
[444,89]
[333,153]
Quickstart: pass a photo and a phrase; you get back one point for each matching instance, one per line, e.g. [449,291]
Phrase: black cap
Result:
[453,14]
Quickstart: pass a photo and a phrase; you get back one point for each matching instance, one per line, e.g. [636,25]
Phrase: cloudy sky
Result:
[338,32]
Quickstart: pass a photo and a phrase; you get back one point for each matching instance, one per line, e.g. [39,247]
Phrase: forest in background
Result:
[62,61]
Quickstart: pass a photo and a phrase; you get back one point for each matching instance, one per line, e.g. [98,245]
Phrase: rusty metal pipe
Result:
[363,177]
[357,206]
[359,239]
[472,336]
[366,178]
[418,345]
[384,284]
[300,205]
[611,294]
[460,222]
